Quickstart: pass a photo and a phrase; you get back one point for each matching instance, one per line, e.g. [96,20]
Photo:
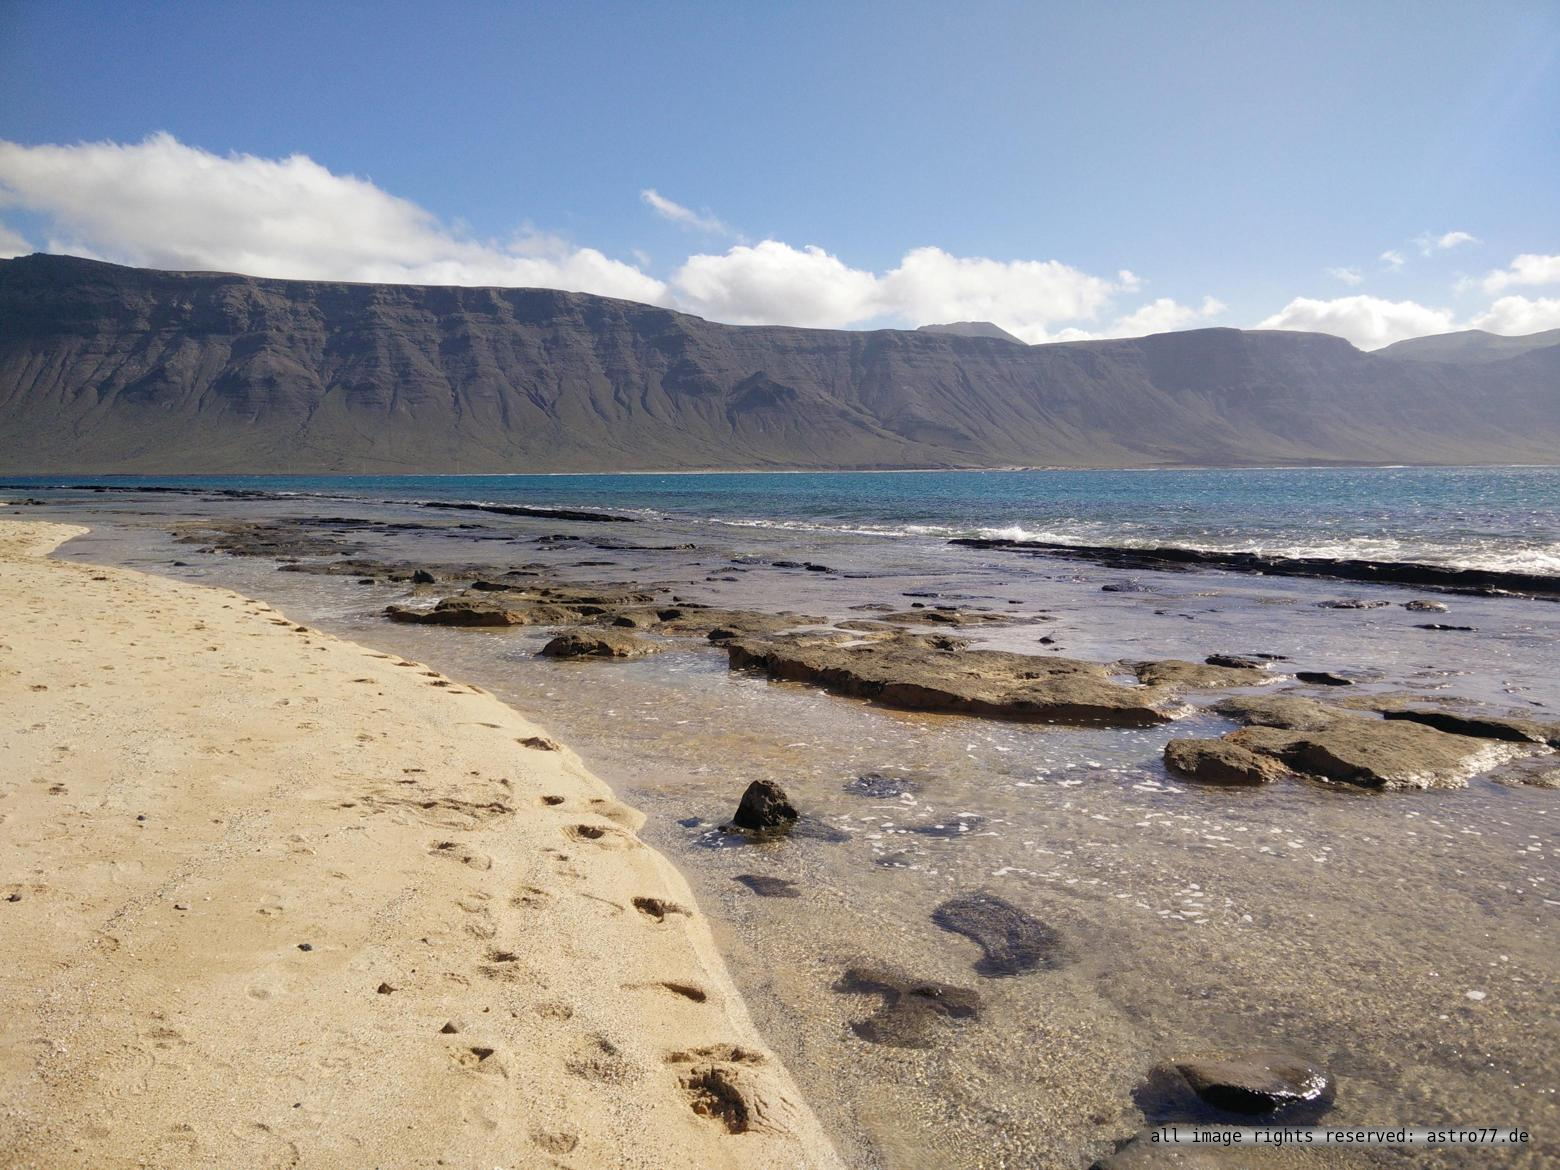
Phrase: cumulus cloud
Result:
[1392,259]
[1429,243]
[1368,322]
[683,216]
[162,204]
[772,282]
[1164,315]
[1516,315]
[1347,275]
[1528,268]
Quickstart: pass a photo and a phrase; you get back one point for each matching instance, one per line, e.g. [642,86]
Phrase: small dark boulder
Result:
[1419,606]
[1237,661]
[1323,678]
[1352,603]
[1254,1082]
[422,577]
[765,808]
[1012,941]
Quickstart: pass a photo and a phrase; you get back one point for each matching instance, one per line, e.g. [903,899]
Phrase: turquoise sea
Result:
[1504,518]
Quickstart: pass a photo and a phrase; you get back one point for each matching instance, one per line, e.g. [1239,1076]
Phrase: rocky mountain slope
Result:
[105,368]
[1470,345]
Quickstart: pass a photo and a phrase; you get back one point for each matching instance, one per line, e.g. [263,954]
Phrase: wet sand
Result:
[271,898]
[1402,941]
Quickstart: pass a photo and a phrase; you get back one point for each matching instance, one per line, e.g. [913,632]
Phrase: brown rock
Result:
[1172,672]
[765,808]
[609,643]
[1218,761]
[1277,711]
[907,673]
[1254,1082]
[1376,753]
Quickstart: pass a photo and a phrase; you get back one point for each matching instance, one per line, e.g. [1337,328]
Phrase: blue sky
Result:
[1122,167]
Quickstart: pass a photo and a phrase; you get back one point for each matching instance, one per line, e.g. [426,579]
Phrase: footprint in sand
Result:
[455,851]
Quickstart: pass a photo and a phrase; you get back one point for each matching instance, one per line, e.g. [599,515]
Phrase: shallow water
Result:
[1351,927]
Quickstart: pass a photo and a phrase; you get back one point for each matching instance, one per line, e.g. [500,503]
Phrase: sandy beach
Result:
[270,898]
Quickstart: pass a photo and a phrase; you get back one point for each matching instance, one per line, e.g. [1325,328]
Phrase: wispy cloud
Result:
[1393,259]
[1347,275]
[685,216]
[1428,243]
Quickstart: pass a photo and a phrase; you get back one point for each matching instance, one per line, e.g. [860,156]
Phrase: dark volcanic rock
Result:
[907,673]
[1323,678]
[1249,661]
[1420,606]
[597,644]
[768,887]
[765,808]
[1477,581]
[126,369]
[1254,1082]
[913,1013]
[1012,942]
[1217,761]
[1353,603]
[423,577]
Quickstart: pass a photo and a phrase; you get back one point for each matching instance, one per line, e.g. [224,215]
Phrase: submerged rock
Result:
[909,673]
[768,887]
[1419,606]
[1254,1082]
[1011,941]
[1217,761]
[1353,603]
[765,808]
[913,1013]
[881,787]
[610,643]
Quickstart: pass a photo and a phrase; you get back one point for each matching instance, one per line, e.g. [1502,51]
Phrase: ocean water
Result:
[1403,941]
[1504,518]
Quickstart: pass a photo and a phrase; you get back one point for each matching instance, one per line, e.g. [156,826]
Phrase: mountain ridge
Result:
[107,368]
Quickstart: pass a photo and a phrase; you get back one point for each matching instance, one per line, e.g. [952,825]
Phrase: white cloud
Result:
[1368,322]
[1528,268]
[163,204]
[12,244]
[683,216]
[1347,275]
[1428,243]
[774,283]
[1516,315]
[1392,259]
[1025,297]
[1163,315]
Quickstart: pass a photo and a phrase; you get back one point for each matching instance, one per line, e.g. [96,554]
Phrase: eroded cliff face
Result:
[105,368]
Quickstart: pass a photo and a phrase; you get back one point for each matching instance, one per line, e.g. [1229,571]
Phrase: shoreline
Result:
[277,895]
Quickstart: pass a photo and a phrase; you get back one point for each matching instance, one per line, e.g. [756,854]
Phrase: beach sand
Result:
[270,898]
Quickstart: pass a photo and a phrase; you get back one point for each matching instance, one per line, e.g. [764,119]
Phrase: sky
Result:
[1373,169]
